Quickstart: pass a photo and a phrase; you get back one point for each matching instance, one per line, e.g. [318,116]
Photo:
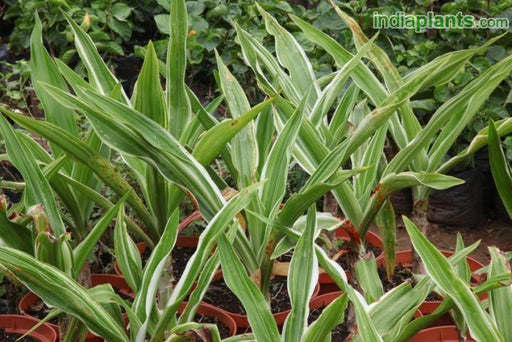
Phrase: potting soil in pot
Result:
[40,311]
[5,337]
[11,297]
[221,296]
[223,329]
[344,262]
[339,334]
[180,258]
[433,297]
[401,275]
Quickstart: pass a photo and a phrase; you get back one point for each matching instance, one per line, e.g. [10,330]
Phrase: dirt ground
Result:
[491,233]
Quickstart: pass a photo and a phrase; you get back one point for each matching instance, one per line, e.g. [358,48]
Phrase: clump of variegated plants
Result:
[170,141]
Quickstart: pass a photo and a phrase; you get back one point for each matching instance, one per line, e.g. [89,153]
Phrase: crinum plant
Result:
[151,131]
[391,318]
[350,121]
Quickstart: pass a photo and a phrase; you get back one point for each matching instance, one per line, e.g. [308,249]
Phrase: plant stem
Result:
[419,217]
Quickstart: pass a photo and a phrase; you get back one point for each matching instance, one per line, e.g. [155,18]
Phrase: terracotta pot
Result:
[327,298]
[446,333]
[204,309]
[371,238]
[474,265]
[323,300]
[18,324]
[242,322]
[117,282]
[209,310]
[427,308]
[405,258]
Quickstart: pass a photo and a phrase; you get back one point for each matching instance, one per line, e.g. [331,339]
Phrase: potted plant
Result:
[31,305]
[15,326]
[446,333]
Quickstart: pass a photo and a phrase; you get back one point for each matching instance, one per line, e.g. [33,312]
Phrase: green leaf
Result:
[36,183]
[177,99]
[43,68]
[332,315]
[500,300]
[43,280]
[443,274]
[53,250]
[386,222]
[324,221]
[202,256]
[277,164]
[368,278]
[215,139]
[148,95]
[395,182]
[464,104]
[136,135]
[299,202]
[120,10]
[291,56]
[149,99]
[99,73]
[85,248]
[244,147]
[127,254]
[79,151]
[162,23]
[500,168]
[302,280]
[13,234]
[258,313]
[145,298]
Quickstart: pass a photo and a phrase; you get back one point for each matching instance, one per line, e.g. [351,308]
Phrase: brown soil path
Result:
[491,233]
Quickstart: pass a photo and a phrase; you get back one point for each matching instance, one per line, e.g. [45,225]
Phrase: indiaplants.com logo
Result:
[421,23]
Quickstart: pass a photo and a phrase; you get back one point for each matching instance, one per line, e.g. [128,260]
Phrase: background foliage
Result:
[118,27]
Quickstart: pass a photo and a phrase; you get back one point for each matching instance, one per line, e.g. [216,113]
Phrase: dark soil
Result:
[401,275]
[343,261]
[286,257]
[180,258]
[145,256]
[339,334]
[9,173]
[223,329]
[433,297]
[279,298]
[221,296]
[40,311]
[104,260]
[12,294]
[5,337]
[195,229]
[376,250]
